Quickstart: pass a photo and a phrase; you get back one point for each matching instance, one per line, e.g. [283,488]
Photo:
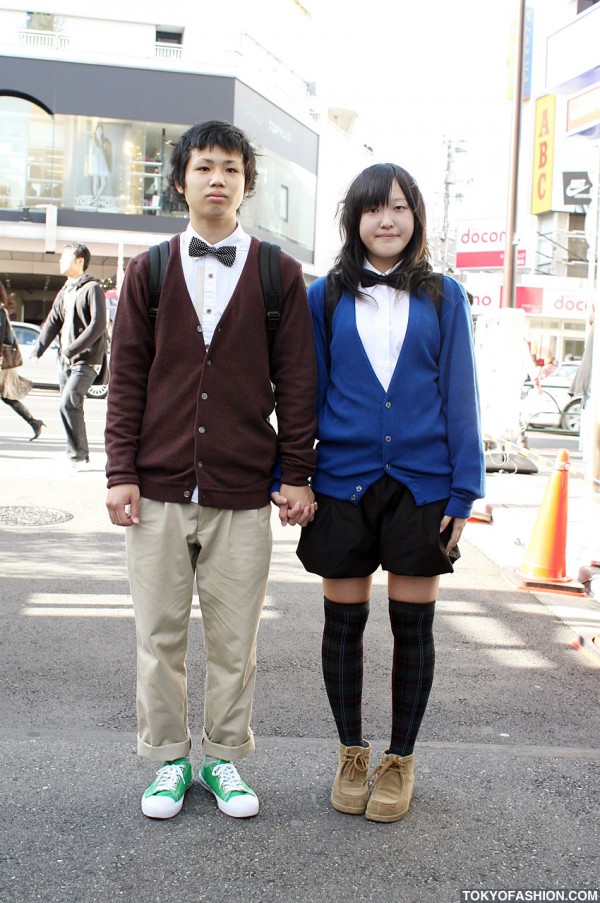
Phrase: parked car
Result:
[44,373]
[550,406]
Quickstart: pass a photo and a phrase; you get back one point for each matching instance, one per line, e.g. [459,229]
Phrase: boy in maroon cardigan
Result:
[190,464]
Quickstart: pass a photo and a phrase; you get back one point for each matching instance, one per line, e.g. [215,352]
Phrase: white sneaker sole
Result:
[161,806]
[239,807]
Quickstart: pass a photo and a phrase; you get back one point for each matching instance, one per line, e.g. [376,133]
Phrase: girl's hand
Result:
[458,525]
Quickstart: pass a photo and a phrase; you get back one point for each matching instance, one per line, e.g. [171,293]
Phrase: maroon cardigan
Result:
[180,416]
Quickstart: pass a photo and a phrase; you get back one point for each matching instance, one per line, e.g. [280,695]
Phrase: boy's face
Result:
[215,186]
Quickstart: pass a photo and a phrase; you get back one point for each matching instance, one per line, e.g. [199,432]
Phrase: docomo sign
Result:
[546,302]
[480,245]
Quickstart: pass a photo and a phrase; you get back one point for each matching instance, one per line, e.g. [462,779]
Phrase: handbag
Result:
[11,353]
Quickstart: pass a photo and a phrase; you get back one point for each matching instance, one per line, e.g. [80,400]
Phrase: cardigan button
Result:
[187,494]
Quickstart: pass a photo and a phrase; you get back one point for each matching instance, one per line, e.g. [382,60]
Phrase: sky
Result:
[420,72]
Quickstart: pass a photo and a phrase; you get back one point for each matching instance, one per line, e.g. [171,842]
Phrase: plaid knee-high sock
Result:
[412,676]
[342,658]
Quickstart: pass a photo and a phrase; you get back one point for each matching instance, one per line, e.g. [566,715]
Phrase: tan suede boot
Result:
[393,788]
[350,790]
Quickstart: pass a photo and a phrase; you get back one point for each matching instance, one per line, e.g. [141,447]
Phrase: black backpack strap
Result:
[332,296]
[270,280]
[159,258]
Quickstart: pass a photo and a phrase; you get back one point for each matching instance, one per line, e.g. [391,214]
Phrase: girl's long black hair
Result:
[372,188]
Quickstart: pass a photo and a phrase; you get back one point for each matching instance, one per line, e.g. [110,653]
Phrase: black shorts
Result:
[387,528]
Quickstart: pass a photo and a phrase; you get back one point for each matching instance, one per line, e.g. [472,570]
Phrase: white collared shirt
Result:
[209,282]
[382,325]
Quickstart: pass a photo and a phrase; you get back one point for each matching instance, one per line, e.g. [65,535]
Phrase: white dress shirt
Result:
[210,283]
[382,324]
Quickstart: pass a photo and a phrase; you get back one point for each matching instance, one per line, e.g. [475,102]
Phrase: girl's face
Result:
[385,231]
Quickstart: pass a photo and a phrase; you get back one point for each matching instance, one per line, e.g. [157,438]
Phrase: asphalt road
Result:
[507,762]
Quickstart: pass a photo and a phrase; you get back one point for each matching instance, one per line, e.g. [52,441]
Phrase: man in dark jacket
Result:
[78,315]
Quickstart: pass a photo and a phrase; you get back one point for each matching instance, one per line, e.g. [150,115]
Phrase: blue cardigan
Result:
[425,430]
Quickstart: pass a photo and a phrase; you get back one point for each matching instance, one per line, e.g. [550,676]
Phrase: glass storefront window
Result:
[84,163]
[115,166]
[284,204]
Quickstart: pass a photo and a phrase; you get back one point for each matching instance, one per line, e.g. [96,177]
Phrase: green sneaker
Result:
[233,796]
[164,797]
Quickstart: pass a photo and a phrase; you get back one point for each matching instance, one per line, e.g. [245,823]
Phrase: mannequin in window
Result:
[99,161]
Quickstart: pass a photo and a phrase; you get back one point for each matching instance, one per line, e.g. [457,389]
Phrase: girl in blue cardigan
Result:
[400,463]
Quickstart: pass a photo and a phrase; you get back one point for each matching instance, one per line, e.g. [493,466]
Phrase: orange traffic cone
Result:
[545,559]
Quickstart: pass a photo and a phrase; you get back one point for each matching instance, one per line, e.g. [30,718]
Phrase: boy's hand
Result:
[296,504]
[123,503]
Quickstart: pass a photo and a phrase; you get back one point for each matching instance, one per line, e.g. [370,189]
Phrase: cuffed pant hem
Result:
[228,753]
[165,753]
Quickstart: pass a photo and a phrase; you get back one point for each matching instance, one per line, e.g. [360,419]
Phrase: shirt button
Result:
[388,404]
[388,467]
[352,498]
[388,438]
[211,275]
[209,310]
[204,396]
[359,488]
[201,429]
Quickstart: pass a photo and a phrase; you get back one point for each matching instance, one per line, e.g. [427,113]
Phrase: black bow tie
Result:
[226,253]
[369,278]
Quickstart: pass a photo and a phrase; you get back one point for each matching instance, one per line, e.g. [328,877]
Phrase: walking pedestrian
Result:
[191,460]
[13,386]
[78,315]
[399,464]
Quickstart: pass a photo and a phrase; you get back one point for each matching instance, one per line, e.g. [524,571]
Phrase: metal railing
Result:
[44,40]
[164,51]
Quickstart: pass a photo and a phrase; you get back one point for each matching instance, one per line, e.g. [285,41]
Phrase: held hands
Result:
[123,503]
[296,504]
[458,525]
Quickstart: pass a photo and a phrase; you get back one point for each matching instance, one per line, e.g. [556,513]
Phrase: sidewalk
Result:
[507,758]
[514,501]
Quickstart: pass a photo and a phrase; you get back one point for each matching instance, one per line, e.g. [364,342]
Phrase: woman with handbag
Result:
[12,386]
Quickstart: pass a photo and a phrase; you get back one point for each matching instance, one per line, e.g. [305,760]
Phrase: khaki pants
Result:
[229,552]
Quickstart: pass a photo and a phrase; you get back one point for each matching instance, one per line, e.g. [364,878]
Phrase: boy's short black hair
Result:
[214,133]
[80,250]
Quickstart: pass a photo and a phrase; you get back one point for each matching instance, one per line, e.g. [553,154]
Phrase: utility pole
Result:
[452,148]
[510,249]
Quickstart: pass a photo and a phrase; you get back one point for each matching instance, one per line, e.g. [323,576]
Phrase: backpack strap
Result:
[159,258]
[332,297]
[270,280]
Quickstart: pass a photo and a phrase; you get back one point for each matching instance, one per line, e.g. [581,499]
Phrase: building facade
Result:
[89,109]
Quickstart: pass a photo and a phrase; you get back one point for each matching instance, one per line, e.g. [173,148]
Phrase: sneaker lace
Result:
[358,761]
[168,777]
[229,779]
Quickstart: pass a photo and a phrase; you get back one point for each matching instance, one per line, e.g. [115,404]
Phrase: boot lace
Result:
[229,779]
[168,777]
[392,763]
[358,761]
